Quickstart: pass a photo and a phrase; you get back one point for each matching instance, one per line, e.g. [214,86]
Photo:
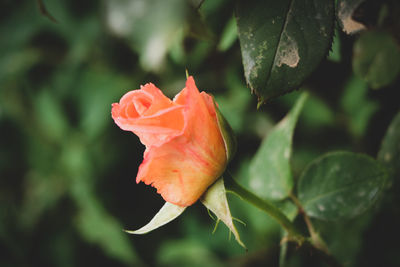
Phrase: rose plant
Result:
[189,145]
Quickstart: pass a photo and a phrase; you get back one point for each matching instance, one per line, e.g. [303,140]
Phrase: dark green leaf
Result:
[389,153]
[270,173]
[282,42]
[376,58]
[340,185]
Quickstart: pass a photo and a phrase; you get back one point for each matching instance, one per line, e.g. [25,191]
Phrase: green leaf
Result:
[288,208]
[389,153]
[229,36]
[282,42]
[166,214]
[357,106]
[316,114]
[340,185]
[97,226]
[345,10]
[215,200]
[270,173]
[376,58]
[51,117]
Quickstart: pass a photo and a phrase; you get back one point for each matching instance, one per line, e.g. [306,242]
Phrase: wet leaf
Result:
[282,42]
[340,185]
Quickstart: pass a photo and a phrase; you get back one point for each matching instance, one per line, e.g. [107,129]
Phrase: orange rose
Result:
[185,147]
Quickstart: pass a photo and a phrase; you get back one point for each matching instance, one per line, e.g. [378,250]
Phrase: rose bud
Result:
[188,142]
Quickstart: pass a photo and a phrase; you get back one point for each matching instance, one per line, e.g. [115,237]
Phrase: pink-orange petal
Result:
[157,128]
[178,174]
[185,166]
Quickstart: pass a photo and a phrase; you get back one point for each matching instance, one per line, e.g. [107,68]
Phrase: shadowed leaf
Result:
[282,42]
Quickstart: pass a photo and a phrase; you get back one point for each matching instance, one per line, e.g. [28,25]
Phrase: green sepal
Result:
[227,134]
[166,214]
[215,200]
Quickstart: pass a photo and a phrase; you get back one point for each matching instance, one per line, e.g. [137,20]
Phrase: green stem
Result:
[316,240]
[266,206]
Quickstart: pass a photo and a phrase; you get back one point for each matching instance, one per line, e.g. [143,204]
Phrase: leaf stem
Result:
[316,240]
[266,206]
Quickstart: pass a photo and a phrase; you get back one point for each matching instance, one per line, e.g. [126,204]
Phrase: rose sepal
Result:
[227,134]
[215,200]
[167,213]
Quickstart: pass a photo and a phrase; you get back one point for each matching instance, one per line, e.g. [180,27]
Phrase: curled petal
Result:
[149,114]
[155,129]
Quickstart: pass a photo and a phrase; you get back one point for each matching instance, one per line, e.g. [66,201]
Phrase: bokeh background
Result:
[67,172]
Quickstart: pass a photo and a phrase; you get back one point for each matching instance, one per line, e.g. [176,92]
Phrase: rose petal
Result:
[201,124]
[183,168]
[209,101]
[159,100]
[149,114]
[156,129]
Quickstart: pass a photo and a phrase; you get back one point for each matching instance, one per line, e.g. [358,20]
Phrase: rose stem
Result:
[266,206]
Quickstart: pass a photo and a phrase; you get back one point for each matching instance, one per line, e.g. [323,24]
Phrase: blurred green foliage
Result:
[67,171]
